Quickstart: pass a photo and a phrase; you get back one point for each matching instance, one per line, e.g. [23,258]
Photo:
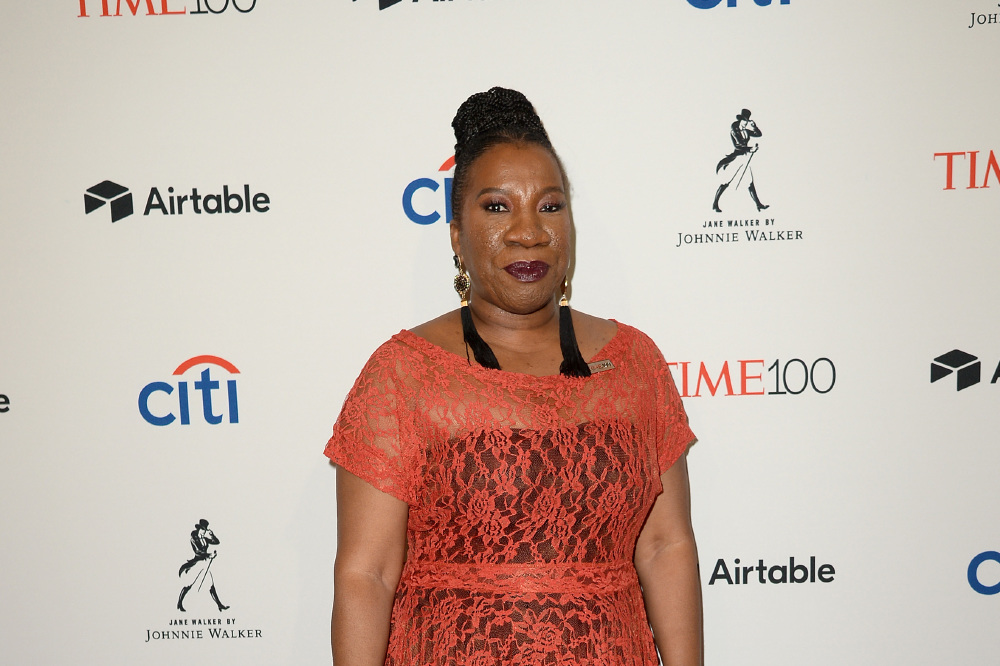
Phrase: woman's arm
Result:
[371,548]
[666,559]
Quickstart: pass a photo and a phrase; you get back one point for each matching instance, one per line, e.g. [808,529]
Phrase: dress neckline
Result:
[410,338]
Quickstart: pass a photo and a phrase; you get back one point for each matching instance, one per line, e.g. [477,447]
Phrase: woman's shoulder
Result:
[401,361]
[444,332]
[606,329]
[396,355]
[635,342]
[593,333]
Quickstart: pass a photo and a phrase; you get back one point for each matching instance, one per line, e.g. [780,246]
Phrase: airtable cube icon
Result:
[966,365]
[107,191]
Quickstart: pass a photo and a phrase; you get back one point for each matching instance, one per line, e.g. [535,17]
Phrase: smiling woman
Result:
[499,499]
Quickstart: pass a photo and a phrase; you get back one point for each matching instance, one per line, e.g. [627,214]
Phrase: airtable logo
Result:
[776,574]
[164,7]
[107,192]
[410,193]
[967,369]
[236,200]
[206,384]
[966,366]
[385,4]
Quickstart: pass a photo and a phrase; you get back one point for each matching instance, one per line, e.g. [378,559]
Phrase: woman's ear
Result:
[453,230]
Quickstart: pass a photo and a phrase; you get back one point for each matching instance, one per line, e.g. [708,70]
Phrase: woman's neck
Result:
[521,342]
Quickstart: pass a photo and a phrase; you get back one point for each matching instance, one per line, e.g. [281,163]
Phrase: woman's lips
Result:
[527,271]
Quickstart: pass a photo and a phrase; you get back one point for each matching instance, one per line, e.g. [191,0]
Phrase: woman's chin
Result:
[526,305]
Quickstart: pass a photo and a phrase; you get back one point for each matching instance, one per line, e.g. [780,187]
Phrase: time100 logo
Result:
[746,377]
[201,7]
[711,4]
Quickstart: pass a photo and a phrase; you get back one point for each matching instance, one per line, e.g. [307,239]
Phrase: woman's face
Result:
[515,230]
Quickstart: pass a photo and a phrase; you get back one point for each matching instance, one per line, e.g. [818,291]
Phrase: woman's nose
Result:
[526,229]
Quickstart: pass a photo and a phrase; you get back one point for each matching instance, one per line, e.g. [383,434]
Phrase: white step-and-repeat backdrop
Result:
[212,212]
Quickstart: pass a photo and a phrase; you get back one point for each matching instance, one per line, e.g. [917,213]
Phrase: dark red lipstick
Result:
[527,271]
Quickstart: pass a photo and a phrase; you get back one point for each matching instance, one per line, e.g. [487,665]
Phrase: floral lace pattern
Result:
[526,496]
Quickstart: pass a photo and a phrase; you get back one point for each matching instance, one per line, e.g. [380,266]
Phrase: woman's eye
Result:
[553,207]
[494,207]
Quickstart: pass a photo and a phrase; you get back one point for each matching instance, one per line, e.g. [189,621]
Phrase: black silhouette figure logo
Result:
[108,192]
[736,165]
[197,570]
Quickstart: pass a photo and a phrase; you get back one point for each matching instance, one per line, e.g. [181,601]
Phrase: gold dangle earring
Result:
[462,283]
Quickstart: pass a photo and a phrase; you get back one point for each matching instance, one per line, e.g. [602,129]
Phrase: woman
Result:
[499,499]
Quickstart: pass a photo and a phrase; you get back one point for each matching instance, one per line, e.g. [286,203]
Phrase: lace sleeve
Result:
[673,435]
[369,439]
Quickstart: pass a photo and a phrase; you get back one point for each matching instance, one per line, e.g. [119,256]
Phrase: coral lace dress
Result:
[526,496]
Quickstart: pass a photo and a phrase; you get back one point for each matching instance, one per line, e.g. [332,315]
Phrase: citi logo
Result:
[747,377]
[426,202]
[235,200]
[966,368]
[108,192]
[164,6]
[970,158]
[712,4]
[159,410]
[975,575]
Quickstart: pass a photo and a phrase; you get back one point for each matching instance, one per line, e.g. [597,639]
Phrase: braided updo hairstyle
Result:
[499,115]
[487,119]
